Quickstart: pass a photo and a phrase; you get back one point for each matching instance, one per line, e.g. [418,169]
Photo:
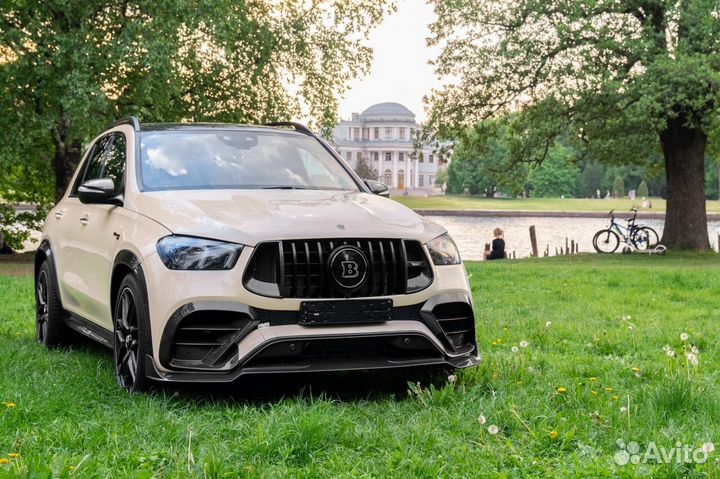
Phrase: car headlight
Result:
[443,250]
[190,253]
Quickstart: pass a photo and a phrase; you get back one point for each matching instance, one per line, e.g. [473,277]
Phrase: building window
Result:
[431,158]
[348,155]
[402,133]
[388,177]
[388,133]
[421,181]
[356,134]
[388,156]
[376,156]
[401,156]
[376,133]
[422,157]
[366,133]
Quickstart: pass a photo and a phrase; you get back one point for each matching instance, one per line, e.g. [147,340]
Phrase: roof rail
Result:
[297,126]
[128,120]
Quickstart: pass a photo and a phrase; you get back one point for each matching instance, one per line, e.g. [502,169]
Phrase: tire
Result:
[50,328]
[653,238]
[131,336]
[606,241]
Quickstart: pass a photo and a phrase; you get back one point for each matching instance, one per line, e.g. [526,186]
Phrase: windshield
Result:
[216,159]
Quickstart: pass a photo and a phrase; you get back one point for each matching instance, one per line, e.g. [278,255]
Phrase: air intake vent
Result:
[298,268]
[457,322]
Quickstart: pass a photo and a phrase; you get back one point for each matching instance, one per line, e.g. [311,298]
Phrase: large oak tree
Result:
[630,78]
[68,68]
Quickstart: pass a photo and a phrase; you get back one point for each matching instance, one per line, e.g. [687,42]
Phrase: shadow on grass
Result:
[347,386]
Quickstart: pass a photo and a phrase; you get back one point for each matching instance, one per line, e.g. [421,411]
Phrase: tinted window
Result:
[204,159]
[107,160]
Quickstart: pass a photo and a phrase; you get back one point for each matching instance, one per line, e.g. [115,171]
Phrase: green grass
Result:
[70,414]
[456,202]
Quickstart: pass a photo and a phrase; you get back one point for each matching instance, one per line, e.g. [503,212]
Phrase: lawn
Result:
[593,372]
[457,202]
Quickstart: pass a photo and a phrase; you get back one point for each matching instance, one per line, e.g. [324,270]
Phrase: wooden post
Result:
[572,246]
[547,250]
[567,249]
[533,241]
[513,254]
[556,251]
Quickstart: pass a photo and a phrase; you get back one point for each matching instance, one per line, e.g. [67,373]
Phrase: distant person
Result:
[498,246]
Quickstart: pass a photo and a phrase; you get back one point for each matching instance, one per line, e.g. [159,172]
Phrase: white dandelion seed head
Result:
[493,429]
[452,378]
[670,353]
[684,337]
[708,447]
[666,348]
[695,350]
[482,419]
[548,324]
[514,349]
[623,409]
[524,344]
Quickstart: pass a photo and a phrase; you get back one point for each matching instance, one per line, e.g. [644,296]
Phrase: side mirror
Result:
[378,188]
[99,192]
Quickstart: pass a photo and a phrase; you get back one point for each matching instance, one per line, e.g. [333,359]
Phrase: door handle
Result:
[84,220]
[58,215]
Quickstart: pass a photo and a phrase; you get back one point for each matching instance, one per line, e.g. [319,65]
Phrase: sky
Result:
[400,70]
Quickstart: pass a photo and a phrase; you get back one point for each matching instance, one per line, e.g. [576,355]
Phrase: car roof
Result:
[210,126]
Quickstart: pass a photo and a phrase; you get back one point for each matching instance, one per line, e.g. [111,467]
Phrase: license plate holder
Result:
[323,313]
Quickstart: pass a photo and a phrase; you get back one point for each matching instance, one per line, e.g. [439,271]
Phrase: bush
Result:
[642,191]
[618,187]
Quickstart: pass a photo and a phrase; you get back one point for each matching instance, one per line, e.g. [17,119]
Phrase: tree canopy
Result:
[629,78]
[70,67]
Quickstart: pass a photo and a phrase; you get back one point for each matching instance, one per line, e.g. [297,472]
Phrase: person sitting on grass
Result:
[498,246]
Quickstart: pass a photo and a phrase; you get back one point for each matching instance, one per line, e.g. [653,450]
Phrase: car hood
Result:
[253,216]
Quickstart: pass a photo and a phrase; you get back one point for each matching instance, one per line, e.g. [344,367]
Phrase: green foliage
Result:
[618,189]
[441,177]
[642,191]
[69,67]
[72,420]
[556,176]
[364,170]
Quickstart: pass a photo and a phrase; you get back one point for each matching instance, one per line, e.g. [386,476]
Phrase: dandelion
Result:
[561,390]
[609,390]
[635,370]
[666,348]
[616,398]
[708,447]
[684,337]
[695,350]
[13,455]
[548,324]
[693,359]
[482,419]
[452,378]
[593,379]
[493,429]
[514,349]
[4,460]
[523,344]
[553,435]
[594,392]
[670,353]
[623,410]
[10,405]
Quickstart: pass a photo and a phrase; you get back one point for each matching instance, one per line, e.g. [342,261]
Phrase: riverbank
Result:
[535,205]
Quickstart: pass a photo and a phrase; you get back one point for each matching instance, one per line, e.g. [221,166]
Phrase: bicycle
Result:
[634,237]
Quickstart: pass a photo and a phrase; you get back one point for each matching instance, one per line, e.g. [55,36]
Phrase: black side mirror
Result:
[99,192]
[378,188]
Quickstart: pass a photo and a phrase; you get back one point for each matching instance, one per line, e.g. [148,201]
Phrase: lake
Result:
[471,233]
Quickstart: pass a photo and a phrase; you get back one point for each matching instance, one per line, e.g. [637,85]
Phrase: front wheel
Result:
[50,328]
[131,336]
[606,241]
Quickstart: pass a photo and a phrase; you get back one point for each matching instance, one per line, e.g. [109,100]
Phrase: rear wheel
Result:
[50,328]
[652,237]
[131,336]
[606,241]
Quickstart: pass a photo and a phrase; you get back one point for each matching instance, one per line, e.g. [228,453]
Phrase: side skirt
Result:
[90,330]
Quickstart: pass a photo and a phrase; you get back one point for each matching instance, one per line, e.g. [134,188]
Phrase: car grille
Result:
[297,268]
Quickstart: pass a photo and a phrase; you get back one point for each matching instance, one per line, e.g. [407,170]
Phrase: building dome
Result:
[388,111]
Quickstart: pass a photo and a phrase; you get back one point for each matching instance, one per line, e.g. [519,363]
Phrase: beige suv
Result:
[202,252]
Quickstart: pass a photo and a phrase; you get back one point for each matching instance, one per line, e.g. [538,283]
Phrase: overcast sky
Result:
[400,70]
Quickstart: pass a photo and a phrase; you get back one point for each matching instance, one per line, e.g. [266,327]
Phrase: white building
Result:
[383,135]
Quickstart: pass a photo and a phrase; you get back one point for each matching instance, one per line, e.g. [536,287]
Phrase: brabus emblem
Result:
[340,227]
[347,268]
[350,269]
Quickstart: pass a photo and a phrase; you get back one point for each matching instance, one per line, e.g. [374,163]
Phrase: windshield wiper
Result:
[285,187]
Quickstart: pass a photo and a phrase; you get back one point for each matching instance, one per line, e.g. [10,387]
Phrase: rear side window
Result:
[106,160]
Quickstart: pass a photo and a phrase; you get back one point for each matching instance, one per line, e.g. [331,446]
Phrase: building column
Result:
[417,173]
[394,169]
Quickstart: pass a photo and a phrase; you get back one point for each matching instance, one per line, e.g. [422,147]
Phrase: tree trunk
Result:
[67,156]
[685,218]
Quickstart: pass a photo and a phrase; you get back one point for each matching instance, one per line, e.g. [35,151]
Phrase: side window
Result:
[106,160]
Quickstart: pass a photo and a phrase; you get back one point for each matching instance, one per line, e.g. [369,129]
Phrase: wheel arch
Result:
[126,262]
[42,254]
